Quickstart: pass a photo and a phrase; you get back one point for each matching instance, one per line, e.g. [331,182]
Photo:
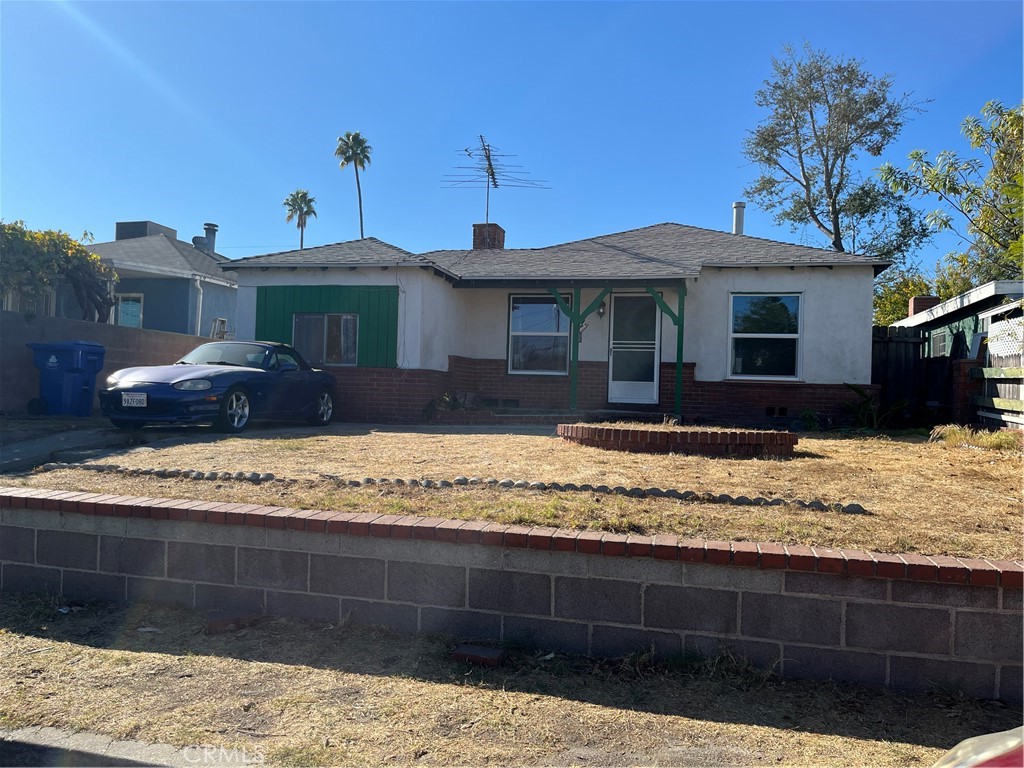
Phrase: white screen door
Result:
[634,350]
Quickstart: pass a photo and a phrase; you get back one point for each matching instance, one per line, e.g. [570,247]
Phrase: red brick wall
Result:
[385,394]
[748,401]
[731,401]
[962,411]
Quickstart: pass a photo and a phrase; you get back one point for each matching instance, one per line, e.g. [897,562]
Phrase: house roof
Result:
[659,252]
[160,255]
[666,252]
[368,252]
[978,299]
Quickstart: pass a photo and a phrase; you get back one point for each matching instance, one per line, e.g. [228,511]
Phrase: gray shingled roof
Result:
[352,253]
[160,255]
[661,251]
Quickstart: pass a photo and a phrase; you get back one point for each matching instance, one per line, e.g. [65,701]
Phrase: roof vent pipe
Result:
[737,217]
[211,236]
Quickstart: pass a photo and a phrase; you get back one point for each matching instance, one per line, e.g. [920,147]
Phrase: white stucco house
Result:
[765,330]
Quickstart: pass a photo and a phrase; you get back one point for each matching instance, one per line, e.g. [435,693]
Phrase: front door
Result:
[634,350]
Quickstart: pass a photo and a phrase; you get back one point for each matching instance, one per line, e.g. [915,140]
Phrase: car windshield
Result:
[246,355]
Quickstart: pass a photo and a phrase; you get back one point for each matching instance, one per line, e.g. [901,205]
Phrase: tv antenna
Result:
[489,169]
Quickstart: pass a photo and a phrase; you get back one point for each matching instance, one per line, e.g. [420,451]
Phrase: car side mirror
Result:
[287,365]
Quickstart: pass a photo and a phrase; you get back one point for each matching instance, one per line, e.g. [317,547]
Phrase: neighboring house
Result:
[166,284]
[954,328]
[973,345]
[766,330]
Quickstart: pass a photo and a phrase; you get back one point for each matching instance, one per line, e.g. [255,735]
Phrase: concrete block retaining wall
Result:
[908,622]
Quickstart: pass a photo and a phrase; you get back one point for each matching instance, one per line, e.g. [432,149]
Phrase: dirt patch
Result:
[312,694]
[921,497]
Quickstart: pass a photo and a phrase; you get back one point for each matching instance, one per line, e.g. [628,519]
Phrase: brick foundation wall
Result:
[905,621]
[390,395]
[491,379]
[735,402]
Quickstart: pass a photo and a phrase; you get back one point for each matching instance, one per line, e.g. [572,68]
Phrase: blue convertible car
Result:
[227,383]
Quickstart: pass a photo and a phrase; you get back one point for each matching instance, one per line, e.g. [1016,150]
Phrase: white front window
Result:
[538,336]
[764,335]
[326,339]
[128,309]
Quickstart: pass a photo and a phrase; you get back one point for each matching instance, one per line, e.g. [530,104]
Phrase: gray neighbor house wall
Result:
[183,288]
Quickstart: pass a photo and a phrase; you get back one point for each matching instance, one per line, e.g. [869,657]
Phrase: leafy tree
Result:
[353,150]
[299,205]
[986,193]
[34,262]
[893,291]
[824,113]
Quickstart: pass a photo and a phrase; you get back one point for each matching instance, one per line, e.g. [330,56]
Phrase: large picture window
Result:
[765,335]
[538,336]
[326,339]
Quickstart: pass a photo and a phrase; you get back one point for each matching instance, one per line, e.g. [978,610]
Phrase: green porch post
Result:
[677,320]
[679,353]
[576,320]
[574,349]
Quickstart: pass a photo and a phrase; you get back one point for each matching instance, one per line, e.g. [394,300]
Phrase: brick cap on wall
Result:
[935,568]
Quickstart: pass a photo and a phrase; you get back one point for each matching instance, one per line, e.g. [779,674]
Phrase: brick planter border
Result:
[681,440]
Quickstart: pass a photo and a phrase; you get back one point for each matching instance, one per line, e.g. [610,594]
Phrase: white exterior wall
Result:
[436,320]
[835,319]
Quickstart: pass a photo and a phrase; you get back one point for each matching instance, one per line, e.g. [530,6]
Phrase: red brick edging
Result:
[705,442]
[935,568]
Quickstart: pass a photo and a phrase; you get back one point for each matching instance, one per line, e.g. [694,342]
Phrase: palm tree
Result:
[353,150]
[300,207]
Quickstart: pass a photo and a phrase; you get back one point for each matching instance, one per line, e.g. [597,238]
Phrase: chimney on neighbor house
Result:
[128,230]
[737,217]
[487,236]
[208,243]
[919,304]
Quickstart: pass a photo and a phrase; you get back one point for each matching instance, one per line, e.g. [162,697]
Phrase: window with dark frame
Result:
[326,338]
[538,335]
[764,335]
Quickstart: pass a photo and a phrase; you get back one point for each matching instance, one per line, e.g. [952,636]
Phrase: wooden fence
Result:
[898,367]
[1001,402]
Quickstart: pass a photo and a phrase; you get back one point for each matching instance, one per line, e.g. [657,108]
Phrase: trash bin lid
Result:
[66,346]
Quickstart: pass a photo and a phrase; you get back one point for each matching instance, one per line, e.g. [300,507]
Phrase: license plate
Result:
[133,399]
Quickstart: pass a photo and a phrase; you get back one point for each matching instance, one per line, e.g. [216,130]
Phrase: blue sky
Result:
[631,113]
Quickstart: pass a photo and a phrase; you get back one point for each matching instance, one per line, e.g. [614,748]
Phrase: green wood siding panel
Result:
[376,305]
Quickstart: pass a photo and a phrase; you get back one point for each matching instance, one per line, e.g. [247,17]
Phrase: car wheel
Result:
[234,411]
[323,409]
[126,424]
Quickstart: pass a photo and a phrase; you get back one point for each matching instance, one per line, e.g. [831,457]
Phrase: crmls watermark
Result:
[222,756]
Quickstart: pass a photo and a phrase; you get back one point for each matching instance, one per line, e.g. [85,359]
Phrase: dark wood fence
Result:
[898,367]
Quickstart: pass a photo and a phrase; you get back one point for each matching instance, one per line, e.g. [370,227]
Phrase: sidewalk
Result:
[57,747]
[27,443]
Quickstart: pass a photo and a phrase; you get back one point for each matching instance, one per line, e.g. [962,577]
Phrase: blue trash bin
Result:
[67,375]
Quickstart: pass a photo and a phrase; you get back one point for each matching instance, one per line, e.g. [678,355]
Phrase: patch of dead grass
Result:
[311,694]
[923,497]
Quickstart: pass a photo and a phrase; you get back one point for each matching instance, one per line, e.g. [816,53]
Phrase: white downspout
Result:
[199,305]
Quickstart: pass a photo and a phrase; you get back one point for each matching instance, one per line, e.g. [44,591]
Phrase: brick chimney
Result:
[919,304]
[486,236]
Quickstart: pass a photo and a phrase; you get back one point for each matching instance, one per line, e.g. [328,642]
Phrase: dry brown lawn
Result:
[306,694]
[922,497]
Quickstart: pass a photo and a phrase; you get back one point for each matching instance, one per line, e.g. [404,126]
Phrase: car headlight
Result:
[193,384]
[111,382]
